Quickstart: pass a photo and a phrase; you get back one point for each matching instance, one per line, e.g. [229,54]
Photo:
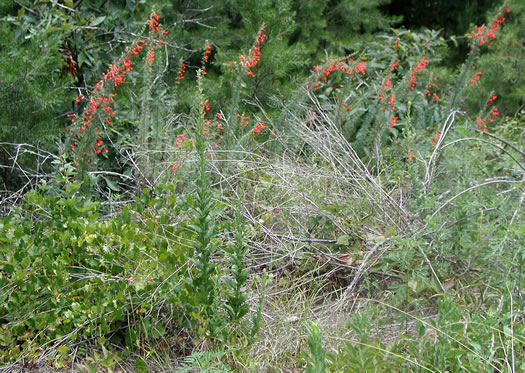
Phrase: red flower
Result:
[393,121]
[475,78]
[481,123]
[392,99]
[153,22]
[207,52]
[260,126]
[181,72]
[421,65]
[180,141]
[437,137]
[175,165]
[254,55]
[206,107]
[151,57]
[360,68]
[262,35]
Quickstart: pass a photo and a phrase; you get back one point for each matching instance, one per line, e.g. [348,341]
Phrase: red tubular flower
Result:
[475,78]
[481,123]
[392,102]
[491,100]
[180,141]
[360,68]
[181,72]
[151,57]
[262,35]
[254,55]
[206,107]
[421,65]
[136,49]
[206,57]
[207,52]
[127,64]
[437,137]
[393,121]
[153,22]
[175,165]
[259,127]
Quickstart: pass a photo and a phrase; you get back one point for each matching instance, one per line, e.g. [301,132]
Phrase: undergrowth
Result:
[371,222]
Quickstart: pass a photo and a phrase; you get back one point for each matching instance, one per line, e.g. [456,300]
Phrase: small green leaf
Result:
[72,188]
[62,349]
[420,328]
[140,366]
[97,21]
[343,240]
[390,231]
[83,58]
[412,284]
[139,285]
[111,185]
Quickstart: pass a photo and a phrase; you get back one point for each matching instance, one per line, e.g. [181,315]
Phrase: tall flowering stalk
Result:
[254,55]
[86,132]
[480,38]
[206,58]
[245,72]
[200,298]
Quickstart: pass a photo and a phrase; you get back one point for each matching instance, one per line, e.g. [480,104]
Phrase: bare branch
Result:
[498,181]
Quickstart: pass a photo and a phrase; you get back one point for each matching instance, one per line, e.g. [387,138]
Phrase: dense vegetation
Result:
[262,186]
